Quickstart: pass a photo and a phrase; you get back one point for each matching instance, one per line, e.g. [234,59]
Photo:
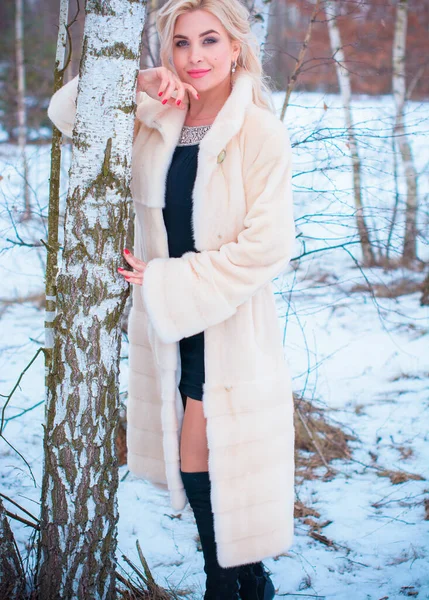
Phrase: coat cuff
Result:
[62,107]
[174,310]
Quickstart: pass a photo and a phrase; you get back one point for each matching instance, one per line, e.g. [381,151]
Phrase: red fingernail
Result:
[126,251]
[178,102]
[198,96]
[164,101]
[160,93]
[120,269]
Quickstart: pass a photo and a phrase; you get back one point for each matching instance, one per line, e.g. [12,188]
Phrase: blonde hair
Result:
[235,17]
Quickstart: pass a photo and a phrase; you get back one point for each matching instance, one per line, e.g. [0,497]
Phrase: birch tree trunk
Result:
[409,253]
[79,511]
[22,112]
[12,576]
[346,95]
[260,11]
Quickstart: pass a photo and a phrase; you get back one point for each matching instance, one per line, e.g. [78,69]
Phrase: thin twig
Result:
[22,520]
[15,386]
[20,507]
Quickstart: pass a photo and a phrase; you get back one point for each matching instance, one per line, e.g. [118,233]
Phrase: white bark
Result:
[409,252]
[21,112]
[60,55]
[346,96]
[79,515]
[260,10]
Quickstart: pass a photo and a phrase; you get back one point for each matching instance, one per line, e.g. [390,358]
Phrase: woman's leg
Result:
[221,584]
[194,452]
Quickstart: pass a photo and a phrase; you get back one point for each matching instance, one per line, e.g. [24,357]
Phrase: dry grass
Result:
[317,441]
[144,586]
[401,287]
[399,476]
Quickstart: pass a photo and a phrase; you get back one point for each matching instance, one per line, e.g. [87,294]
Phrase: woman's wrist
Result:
[141,83]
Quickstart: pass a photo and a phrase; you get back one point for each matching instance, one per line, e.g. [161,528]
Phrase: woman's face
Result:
[201,43]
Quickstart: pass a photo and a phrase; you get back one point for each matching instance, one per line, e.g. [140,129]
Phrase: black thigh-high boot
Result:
[221,583]
[255,583]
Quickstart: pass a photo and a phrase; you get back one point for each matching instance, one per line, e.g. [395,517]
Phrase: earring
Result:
[233,66]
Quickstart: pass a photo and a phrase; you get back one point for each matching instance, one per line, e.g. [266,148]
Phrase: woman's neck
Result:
[205,110]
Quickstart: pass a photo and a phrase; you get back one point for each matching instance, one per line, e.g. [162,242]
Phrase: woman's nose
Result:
[195,57]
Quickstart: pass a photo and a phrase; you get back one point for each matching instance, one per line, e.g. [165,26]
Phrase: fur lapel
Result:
[169,121]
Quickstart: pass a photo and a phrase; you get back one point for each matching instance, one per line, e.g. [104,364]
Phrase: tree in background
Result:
[346,95]
[151,35]
[260,14]
[293,78]
[40,20]
[22,111]
[399,87]
[54,190]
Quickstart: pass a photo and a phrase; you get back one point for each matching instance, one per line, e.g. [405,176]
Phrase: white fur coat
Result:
[244,232]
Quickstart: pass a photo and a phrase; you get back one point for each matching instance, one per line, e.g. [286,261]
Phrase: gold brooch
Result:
[221,156]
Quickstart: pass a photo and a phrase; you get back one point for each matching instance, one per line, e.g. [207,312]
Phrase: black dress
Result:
[177,218]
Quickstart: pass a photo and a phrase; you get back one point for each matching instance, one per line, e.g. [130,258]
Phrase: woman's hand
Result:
[135,276]
[159,83]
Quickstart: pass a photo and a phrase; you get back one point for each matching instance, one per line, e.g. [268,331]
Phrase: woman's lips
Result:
[198,74]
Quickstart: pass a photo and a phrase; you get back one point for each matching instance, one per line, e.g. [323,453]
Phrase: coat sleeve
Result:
[185,295]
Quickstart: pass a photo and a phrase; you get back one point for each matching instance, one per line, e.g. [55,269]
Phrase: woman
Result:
[210,405]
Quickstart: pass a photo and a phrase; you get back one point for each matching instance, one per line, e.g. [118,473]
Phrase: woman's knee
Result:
[194,414]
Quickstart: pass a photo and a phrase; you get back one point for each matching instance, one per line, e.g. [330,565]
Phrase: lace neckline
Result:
[192,134]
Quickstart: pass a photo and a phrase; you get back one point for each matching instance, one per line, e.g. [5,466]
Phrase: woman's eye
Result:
[211,40]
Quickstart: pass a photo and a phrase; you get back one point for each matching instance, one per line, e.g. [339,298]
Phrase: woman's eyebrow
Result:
[178,35]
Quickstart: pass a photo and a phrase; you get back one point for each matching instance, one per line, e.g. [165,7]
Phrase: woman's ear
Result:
[236,48]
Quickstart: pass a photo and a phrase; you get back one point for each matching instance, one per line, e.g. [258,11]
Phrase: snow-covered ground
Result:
[364,357]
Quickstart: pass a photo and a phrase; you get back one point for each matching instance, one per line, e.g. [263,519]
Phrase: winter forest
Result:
[350,82]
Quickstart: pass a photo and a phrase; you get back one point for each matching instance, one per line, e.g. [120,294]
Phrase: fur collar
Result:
[229,120]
